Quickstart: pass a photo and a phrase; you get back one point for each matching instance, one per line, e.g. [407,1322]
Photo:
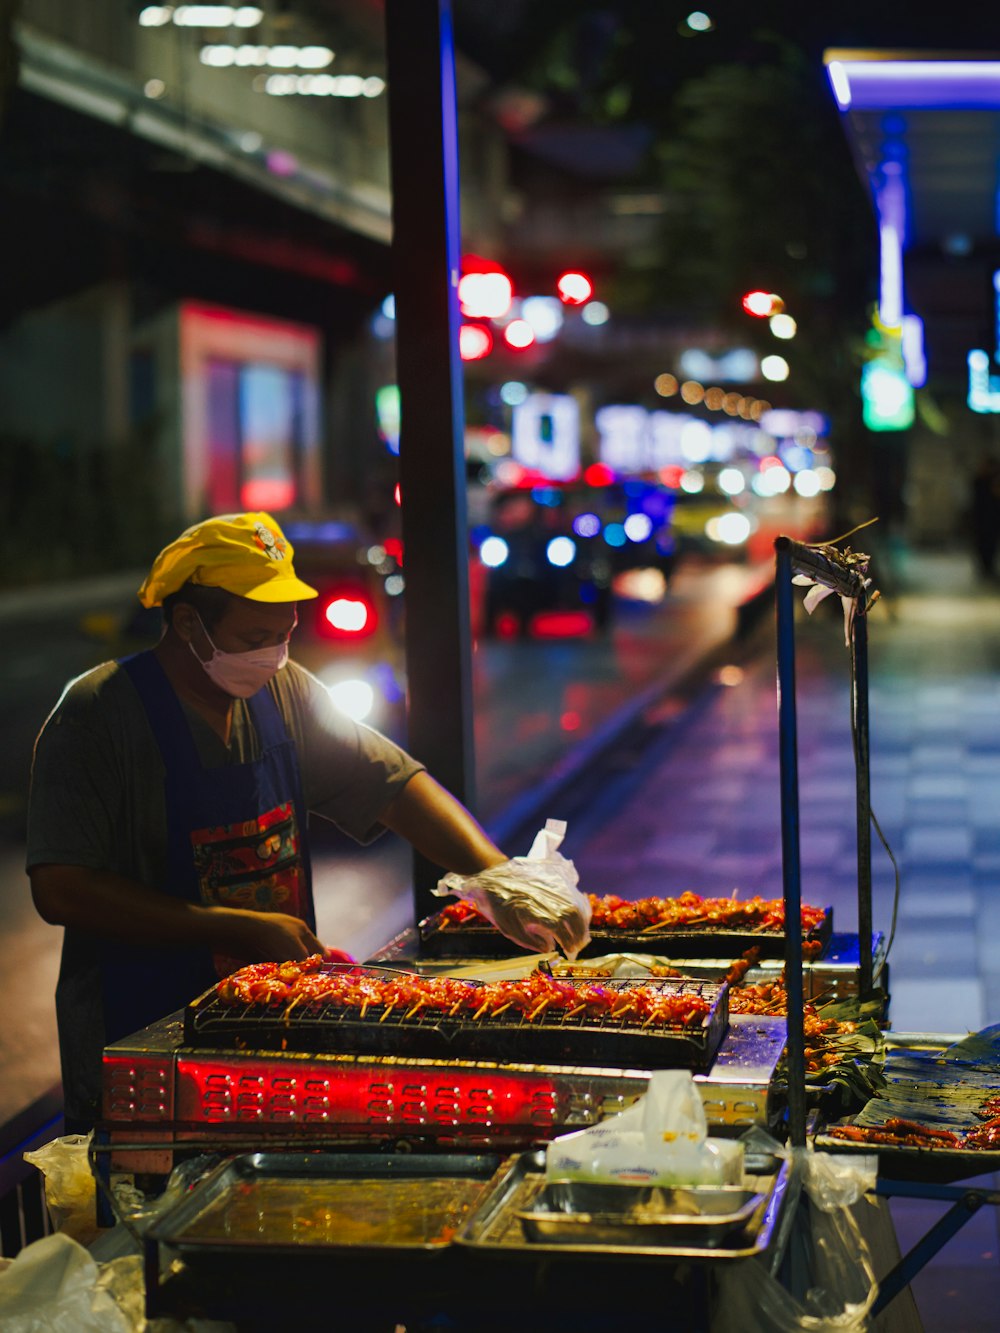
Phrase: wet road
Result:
[538,707]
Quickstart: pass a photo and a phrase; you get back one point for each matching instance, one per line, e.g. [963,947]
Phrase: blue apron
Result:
[236,836]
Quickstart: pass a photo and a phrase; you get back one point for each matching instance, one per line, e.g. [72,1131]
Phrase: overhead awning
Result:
[924,129]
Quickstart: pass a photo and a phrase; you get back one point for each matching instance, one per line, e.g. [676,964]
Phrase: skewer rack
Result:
[828,567]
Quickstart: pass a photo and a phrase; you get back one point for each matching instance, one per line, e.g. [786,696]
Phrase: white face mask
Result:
[242,674]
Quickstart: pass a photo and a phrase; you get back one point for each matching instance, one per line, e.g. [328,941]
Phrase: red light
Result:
[347,614]
[474,342]
[519,334]
[485,295]
[394,548]
[759,304]
[347,1095]
[671,475]
[507,625]
[598,474]
[570,721]
[560,624]
[267,493]
[396,495]
[574,288]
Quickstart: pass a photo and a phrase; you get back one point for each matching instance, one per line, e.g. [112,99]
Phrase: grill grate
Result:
[554,1035]
[440,939]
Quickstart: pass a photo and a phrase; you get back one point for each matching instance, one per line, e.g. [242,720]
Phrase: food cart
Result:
[390,1144]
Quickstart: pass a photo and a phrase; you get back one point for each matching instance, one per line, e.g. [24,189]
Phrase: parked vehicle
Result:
[553,552]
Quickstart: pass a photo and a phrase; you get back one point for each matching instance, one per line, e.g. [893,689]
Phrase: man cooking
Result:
[170,793]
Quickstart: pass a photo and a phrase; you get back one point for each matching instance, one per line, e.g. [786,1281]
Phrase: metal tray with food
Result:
[652,1024]
[263,1204]
[937,1117]
[510,1220]
[571,1211]
[444,936]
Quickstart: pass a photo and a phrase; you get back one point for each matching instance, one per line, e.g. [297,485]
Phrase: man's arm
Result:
[117,908]
[440,827]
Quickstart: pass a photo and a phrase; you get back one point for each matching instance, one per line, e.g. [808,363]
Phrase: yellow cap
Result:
[246,554]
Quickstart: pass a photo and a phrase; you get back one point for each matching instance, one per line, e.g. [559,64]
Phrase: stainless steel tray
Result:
[497,1225]
[571,1211]
[940,1080]
[265,1204]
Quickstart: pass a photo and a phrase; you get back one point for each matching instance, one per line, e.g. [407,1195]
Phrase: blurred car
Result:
[554,553]
[711,525]
[351,634]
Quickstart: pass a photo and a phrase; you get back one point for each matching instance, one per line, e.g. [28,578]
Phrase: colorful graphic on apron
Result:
[255,865]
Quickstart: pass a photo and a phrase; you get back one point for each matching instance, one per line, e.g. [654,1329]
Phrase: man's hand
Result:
[120,909]
[262,937]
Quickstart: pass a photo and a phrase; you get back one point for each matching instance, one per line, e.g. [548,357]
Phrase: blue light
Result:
[879,85]
[586,525]
[984,388]
[560,552]
[550,496]
[638,527]
[513,392]
[614,535]
[384,677]
[795,456]
[914,356]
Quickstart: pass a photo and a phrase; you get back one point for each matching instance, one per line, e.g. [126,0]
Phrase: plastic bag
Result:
[69,1185]
[662,1139]
[51,1287]
[532,899]
[123,1280]
[54,1286]
[828,1281]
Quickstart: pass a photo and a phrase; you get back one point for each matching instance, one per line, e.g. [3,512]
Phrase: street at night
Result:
[547,449]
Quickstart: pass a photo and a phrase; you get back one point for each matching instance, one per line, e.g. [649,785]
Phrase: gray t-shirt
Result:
[97,800]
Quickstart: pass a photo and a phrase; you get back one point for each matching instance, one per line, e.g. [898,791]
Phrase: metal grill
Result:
[554,1036]
[440,939]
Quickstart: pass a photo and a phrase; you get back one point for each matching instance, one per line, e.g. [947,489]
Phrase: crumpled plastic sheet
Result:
[69,1185]
[55,1286]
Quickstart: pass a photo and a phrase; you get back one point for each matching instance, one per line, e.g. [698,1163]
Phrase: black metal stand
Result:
[794,558]
[965,1203]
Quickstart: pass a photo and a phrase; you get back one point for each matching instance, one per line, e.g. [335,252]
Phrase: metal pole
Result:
[859,703]
[423,142]
[790,860]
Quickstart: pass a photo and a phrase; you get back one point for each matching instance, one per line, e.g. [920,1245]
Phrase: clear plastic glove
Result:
[532,899]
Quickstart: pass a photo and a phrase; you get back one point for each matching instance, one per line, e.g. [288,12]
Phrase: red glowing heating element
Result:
[340,1091]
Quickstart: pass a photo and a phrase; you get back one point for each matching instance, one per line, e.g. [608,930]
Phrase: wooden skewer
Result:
[539,1008]
[418,1006]
[503,1009]
[388,1010]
